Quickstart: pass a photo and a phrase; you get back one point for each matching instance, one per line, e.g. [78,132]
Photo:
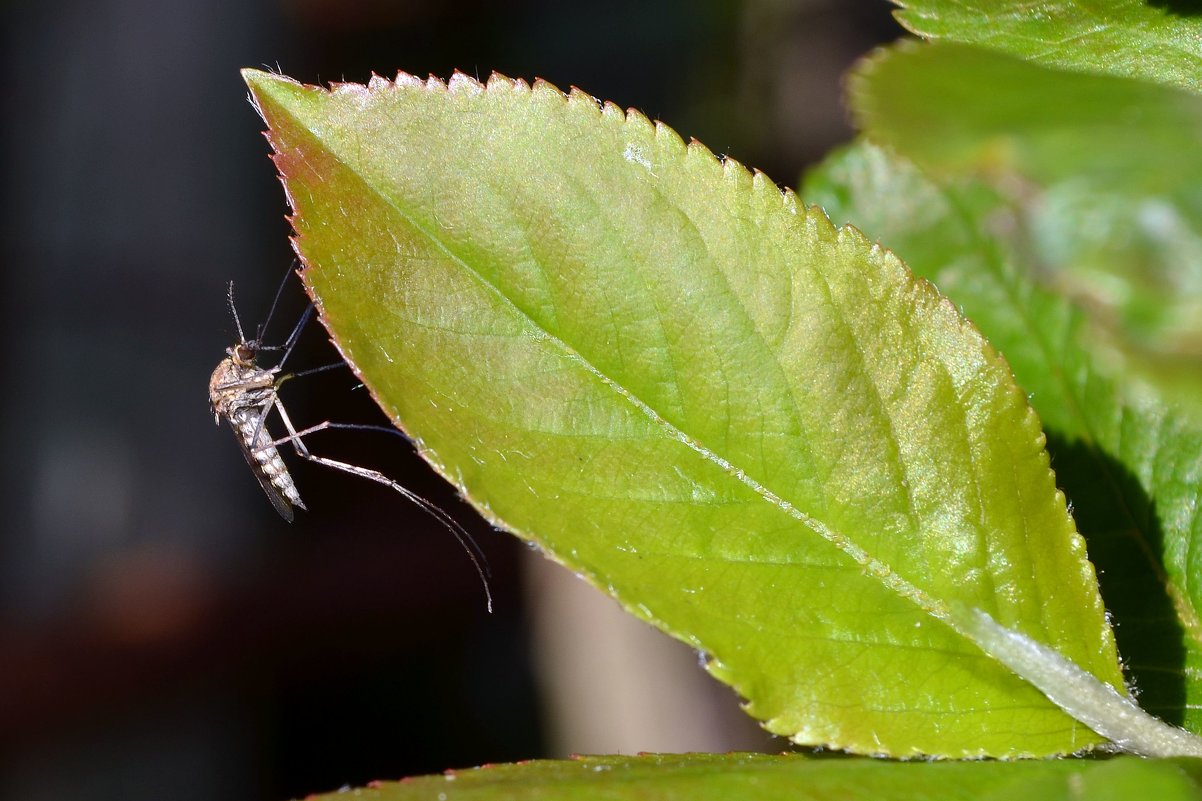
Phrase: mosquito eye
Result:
[245,352]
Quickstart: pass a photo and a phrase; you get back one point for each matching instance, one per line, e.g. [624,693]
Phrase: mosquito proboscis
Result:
[244,394]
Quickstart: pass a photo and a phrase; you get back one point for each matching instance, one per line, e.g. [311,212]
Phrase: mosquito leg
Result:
[279,291]
[302,450]
[289,343]
[465,539]
[310,371]
[296,438]
[327,425]
[275,302]
[255,445]
[451,524]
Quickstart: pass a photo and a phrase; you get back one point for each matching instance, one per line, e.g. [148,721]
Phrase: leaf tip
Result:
[266,85]
[261,82]
[264,81]
[250,75]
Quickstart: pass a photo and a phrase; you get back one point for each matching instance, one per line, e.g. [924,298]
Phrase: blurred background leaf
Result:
[1155,41]
[1104,176]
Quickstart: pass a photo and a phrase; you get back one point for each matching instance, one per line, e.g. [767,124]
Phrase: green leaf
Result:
[1137,261]
[953,108]
[756,431]
[1126,459]
[1106,173]
[750,777]
[1132,38]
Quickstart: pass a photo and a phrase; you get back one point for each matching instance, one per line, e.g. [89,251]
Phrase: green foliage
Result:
[1154,41]
[704,398]
[1128,462]
[775,440]
[757,777]
[1116,221]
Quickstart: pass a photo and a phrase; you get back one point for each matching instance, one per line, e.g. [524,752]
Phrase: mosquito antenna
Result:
[275,302]
[229,296]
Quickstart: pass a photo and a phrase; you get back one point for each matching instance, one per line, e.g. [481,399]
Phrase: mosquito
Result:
[244,394]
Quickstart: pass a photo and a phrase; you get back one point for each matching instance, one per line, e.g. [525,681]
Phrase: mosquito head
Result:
[244,353]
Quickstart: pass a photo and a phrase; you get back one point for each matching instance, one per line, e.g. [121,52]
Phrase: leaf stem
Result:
[1114,715]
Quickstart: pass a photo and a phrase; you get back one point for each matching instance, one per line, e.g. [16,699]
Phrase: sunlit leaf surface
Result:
[758,432]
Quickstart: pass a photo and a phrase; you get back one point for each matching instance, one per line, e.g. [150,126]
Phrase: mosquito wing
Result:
[258,463]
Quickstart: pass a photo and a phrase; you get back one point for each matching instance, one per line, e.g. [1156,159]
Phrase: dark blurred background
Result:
[163,634]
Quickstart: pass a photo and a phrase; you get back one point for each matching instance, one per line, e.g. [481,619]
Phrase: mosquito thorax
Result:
[238,383]
[222,387]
